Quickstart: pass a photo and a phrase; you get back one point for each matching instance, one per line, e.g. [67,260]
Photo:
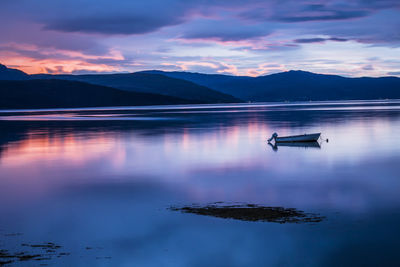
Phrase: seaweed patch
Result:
[38,252]
[252,212]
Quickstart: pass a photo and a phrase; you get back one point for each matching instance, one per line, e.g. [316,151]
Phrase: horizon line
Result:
[194,72]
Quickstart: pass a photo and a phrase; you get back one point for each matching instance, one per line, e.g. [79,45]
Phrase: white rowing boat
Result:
[295,138]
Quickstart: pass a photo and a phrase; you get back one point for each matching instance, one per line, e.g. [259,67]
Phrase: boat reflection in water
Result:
[305,145]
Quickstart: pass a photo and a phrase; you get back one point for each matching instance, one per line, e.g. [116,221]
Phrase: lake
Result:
[104,186]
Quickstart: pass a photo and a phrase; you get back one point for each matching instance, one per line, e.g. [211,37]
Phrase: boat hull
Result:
[298,138]
[312,144]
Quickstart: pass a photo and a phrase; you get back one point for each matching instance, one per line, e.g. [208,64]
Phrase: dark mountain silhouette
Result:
[70,94]
[12,74]
[151,83]
[195,87]
[295,86]
[219,81]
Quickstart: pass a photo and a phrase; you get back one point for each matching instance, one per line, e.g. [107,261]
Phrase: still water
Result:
[99,183]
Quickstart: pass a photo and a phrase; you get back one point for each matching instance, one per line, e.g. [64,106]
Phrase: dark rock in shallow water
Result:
[42,252]
[252,212]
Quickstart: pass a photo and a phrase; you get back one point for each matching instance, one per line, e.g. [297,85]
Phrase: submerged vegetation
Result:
[252,212]
[38,252]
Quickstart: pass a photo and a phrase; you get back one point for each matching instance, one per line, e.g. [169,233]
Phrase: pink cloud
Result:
[32,59]
[266,68]
[218,67]
[54,66]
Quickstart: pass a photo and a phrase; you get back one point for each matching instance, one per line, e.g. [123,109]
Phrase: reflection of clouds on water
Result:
[109,182]
[235,146]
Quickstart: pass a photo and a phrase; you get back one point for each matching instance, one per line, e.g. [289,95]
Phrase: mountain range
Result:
[150,83]
[12,74]
[31,94]
[295,86]
[154,87]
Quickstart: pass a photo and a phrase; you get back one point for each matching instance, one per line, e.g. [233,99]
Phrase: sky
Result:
[351,38]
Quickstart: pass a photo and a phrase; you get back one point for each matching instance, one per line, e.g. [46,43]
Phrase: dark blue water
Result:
[99,182]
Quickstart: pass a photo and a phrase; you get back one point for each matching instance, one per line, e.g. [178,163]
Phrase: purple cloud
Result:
[225,30]
[113,25]
[102,17]
[297,11]
[319,40]
[368,67]
[395,73]
[294,11]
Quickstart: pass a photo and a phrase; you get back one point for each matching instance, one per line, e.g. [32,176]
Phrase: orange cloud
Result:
[33,66]
[55,61]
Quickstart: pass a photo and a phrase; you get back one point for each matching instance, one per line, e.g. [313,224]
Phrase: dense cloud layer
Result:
[124,35]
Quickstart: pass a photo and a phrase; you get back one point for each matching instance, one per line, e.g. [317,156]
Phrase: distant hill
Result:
[295,86]
[70,94]
[151,83]
[12,74]
[216,88]
[220,81]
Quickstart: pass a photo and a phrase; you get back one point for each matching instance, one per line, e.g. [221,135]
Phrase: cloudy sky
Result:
[252,37]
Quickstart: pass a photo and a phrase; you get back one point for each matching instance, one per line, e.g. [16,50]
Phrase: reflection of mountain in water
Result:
[178,120]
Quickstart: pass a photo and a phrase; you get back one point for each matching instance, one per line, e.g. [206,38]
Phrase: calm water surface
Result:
[99,182]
